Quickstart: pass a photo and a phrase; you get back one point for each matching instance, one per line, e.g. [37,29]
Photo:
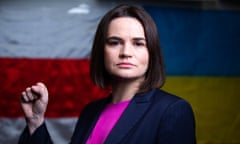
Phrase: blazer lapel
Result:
[89,125]
[133,113]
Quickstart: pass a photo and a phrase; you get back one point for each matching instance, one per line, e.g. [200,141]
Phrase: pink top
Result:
[106,122]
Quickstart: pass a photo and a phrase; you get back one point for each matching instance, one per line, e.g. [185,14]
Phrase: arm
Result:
[34,102]
[40,136]
[178,124]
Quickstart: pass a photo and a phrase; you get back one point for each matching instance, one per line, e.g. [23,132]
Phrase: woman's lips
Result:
[125,65]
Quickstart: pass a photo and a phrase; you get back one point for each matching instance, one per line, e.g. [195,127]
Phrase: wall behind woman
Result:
[50,41]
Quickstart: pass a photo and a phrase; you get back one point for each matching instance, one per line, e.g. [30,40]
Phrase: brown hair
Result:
[155,75]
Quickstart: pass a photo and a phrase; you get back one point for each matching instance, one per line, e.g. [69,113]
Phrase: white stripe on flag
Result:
[46,29]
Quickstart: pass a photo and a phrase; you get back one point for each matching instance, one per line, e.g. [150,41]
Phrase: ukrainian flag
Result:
[201,52]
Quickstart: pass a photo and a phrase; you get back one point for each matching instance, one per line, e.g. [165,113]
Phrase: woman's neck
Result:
[123,90]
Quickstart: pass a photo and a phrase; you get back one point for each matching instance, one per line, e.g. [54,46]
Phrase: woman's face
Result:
[126,53]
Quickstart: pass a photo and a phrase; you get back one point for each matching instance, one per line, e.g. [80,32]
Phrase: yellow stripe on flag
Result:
[216,104]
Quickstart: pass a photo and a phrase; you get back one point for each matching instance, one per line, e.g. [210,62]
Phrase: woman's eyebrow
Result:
[118,38]
[114,38]
[139,38]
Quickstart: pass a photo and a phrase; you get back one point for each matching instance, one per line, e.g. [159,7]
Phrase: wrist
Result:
[34,123]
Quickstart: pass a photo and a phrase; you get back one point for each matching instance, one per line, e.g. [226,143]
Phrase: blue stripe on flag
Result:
[199,42]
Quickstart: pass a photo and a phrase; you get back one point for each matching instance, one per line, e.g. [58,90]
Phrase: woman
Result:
[126,57]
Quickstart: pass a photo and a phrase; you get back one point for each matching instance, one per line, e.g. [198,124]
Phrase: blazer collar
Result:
[133,113]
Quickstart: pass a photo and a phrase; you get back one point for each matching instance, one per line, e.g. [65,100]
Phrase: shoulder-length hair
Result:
[155,74]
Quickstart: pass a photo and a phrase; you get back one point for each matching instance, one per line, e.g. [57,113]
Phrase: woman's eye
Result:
[139,43]
[113,43]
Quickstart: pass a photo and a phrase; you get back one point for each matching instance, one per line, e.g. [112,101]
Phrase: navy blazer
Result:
[155,117]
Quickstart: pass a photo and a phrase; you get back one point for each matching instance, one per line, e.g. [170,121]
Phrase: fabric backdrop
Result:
[50,41]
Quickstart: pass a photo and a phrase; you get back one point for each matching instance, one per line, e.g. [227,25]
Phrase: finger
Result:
[44,88]
[41,84]
[41,89]
[38,90]
[30,95]
[25,104]
[36,95]
[24,98]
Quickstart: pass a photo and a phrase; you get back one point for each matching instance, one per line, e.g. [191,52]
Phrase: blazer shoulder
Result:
[177,119]
[167,100]
[161,95]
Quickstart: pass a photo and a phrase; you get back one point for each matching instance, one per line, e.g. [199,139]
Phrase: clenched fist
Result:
[34,102]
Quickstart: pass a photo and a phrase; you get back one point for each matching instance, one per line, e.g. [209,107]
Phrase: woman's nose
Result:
[126,51]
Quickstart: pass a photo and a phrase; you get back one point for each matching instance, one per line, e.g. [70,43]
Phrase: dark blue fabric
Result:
[41,136]
[199,42]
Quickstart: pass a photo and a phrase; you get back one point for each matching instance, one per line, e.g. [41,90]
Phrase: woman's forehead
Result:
[126,26]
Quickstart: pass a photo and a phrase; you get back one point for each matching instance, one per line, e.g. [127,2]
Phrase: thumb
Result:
[41,90]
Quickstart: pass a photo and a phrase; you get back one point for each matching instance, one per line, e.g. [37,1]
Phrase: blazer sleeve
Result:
[40,136]
[178,124]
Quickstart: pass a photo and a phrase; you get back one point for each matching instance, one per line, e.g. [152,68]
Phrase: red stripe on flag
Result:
[68,82]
